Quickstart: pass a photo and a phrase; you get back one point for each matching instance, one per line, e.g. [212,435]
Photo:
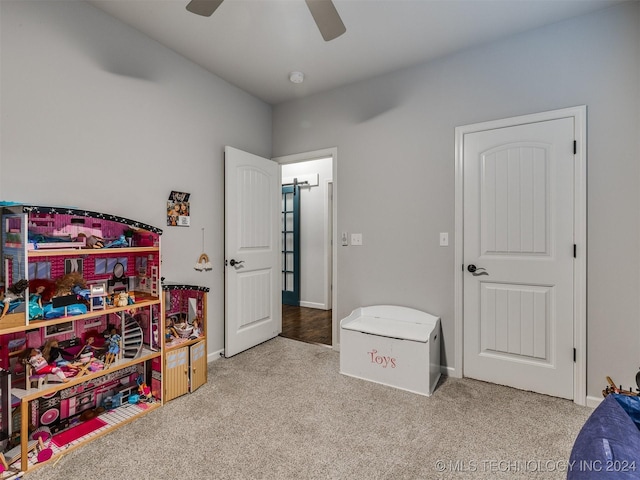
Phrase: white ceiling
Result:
[255,44]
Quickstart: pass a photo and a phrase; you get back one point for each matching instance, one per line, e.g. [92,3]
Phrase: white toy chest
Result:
[391,345]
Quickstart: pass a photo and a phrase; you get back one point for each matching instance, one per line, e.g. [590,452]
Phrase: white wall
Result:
[97,115]
[395,141]
[313,231]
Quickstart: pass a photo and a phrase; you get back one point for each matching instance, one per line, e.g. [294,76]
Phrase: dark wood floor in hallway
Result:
[306,324]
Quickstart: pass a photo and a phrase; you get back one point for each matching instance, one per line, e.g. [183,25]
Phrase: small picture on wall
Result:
[58,329]
[73,265]
[178,209]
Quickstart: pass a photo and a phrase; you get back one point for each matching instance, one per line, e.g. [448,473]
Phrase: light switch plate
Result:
[444,239]
[356,239]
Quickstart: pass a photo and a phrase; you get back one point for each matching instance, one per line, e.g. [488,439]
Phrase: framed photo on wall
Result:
[178,209]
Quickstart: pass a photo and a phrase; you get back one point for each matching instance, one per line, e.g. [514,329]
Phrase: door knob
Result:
[476,271]
[234,262]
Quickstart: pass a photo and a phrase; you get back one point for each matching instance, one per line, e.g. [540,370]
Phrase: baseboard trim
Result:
[213,356]
[317,306]
[449,371]
[593,402]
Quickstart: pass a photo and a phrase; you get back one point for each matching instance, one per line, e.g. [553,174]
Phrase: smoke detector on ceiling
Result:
[296,77]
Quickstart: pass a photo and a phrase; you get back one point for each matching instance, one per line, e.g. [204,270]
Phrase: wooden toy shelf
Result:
[185,351]
[76,278]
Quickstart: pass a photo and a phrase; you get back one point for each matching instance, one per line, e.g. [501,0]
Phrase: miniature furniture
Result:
[35,378]
[77,253]
[185,359]
[97,295]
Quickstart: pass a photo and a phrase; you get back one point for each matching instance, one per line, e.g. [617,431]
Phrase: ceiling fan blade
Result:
[203,7]
[326,17]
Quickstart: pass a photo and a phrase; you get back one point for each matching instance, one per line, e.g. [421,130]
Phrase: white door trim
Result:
[333,271]
[579,114]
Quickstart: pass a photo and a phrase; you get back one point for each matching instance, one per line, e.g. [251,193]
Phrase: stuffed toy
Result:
[122,299]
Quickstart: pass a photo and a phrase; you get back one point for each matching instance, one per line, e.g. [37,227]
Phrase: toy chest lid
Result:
[393,322]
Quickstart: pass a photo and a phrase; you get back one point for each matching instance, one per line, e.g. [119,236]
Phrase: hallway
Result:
[306,324]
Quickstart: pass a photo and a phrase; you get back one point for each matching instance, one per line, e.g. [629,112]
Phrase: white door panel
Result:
[518,232]
[253,312]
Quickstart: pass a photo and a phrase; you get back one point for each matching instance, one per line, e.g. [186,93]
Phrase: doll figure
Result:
[87,350]
[52,353]
[121,241]
[113,347]
[41,291]
[197,331]
[41,366]
[35,303]
[170,332]
[14,297]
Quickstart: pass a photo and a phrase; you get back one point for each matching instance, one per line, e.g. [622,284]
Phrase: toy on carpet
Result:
[612,388]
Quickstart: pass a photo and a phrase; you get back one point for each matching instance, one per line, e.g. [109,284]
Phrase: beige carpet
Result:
[282,411]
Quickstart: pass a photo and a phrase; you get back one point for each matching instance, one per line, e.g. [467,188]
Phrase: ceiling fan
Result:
[323,12]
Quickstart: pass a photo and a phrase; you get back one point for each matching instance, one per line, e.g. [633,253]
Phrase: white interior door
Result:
[519,239]
[253,309]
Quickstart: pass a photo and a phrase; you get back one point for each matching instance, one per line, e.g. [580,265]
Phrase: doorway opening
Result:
[307,246]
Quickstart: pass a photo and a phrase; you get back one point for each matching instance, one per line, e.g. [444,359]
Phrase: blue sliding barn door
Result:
[291,245]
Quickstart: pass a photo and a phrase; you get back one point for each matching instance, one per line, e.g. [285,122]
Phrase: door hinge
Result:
[575,251]
[575,147]
[574,354]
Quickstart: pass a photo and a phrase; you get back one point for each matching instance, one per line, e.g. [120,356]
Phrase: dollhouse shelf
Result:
[66,252]
[33,324]
[51,388]
[61,406]
[114,418]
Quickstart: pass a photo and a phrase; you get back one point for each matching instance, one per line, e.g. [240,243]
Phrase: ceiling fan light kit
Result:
[324,13]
